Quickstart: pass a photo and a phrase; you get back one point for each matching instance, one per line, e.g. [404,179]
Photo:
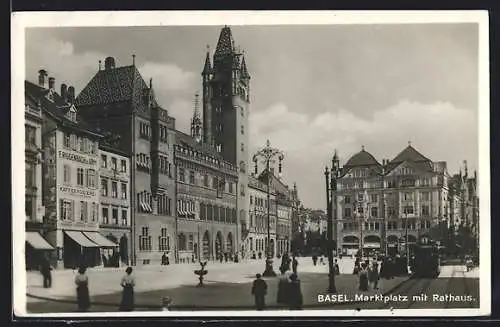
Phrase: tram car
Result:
[426,261]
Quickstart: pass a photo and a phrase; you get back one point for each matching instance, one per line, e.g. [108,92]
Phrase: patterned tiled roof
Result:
[185,139]
[207,69]
[244,70]
[119,84]
[225,45]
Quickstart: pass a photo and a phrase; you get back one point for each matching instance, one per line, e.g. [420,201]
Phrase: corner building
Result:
[378,202]
[118,100]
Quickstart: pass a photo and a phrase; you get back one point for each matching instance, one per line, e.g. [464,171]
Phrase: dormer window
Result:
[71,115]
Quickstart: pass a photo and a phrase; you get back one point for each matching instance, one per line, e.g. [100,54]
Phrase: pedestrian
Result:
[363,278]
[315,259]
[355,271]
[295,264]
[46,271]
[164,259]
[128,283]
[82,289]
[336,268]
[283,288]
[294,293]
[259,291]
[373,275]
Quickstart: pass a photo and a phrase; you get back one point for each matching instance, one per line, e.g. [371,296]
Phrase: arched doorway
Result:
[392,245]
[219,250]
[350,245]
[371,244]
[229,243]
[124,249]
[205,246]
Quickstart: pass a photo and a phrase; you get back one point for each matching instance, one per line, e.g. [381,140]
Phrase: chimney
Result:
[64,92]
[52,82]
[109,63]
[42,78]
[71,94]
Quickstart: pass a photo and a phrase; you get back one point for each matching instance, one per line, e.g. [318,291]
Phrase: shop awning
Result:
[37,241]
[100,240]
[81,239]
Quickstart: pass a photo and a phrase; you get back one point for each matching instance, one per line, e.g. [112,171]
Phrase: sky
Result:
[314,88]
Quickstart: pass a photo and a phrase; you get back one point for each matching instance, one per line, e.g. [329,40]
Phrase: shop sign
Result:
[76,191]
[77,158]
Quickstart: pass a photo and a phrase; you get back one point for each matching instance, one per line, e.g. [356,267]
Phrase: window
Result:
[361,197]
[425,196]
[374,198]
[104,186]
[79,176]
[83,211]
[242,147]
[242,129]
[347,199]
[230,185]
[144,201]
[251,199]
[104,161]
[95,212]
[144,131]
[242,166]
[30,135]
[164,240]
[114,165]
[214,183]
[66,209]
[143,162]
[392,225]
[191,177]
[123,166]
[205,180]
[242,111]
[425,211]
[67,175]
[425,182]
[407,196]
[114,213]
[181,175]
[426,224]
[145,240]
[105,216]
[91,176]
[374,212]
[124,191]
[209,212]
[391,211]
[124,217]
[242,189]
[347,212]
[408,182]
[114,189]
[190,242]
[408,210]
[181,242]
[164,205]
[67,141]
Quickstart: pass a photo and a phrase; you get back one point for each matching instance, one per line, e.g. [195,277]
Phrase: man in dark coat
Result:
[295,264]
[45,270]
[294,293]
[259,291]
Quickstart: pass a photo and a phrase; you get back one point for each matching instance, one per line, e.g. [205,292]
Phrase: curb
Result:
[192,308]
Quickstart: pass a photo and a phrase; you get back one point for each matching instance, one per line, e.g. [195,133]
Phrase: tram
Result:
[426,261]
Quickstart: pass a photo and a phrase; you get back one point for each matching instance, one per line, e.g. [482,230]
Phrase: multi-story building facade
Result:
[378,205]
[283,224]
[114,183]
[118,100]
[226,105]
[70,182]
[256,240]
[206,187]
[34,209]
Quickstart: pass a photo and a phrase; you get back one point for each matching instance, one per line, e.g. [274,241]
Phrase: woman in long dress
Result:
[128,284]
[363,278]
[82,289]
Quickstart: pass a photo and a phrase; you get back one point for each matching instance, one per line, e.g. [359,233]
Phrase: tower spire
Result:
[196,124]
[207,69]
[244,70]
[225,45]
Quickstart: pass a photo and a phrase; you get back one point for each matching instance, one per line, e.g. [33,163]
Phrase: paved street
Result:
[226,280]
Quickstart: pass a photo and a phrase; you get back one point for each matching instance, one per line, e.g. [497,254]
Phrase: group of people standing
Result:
[289,289]
[82,290]
[368,273]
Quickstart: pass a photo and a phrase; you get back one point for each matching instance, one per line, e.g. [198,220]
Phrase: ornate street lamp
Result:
[268,155]
[331,205]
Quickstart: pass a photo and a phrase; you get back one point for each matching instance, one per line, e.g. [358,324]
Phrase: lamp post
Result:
[331,205]
[407,246]
[268,156]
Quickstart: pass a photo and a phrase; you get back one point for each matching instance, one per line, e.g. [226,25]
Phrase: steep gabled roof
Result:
[119,84]
[409,154]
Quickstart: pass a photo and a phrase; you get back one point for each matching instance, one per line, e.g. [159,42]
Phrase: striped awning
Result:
[37,241]
[81,239]
[100,240]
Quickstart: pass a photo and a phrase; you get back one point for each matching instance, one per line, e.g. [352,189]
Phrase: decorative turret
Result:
[207,69]
[196,124]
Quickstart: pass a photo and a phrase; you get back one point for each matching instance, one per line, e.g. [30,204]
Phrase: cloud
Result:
[439,131]
[61,62]
[168,77]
